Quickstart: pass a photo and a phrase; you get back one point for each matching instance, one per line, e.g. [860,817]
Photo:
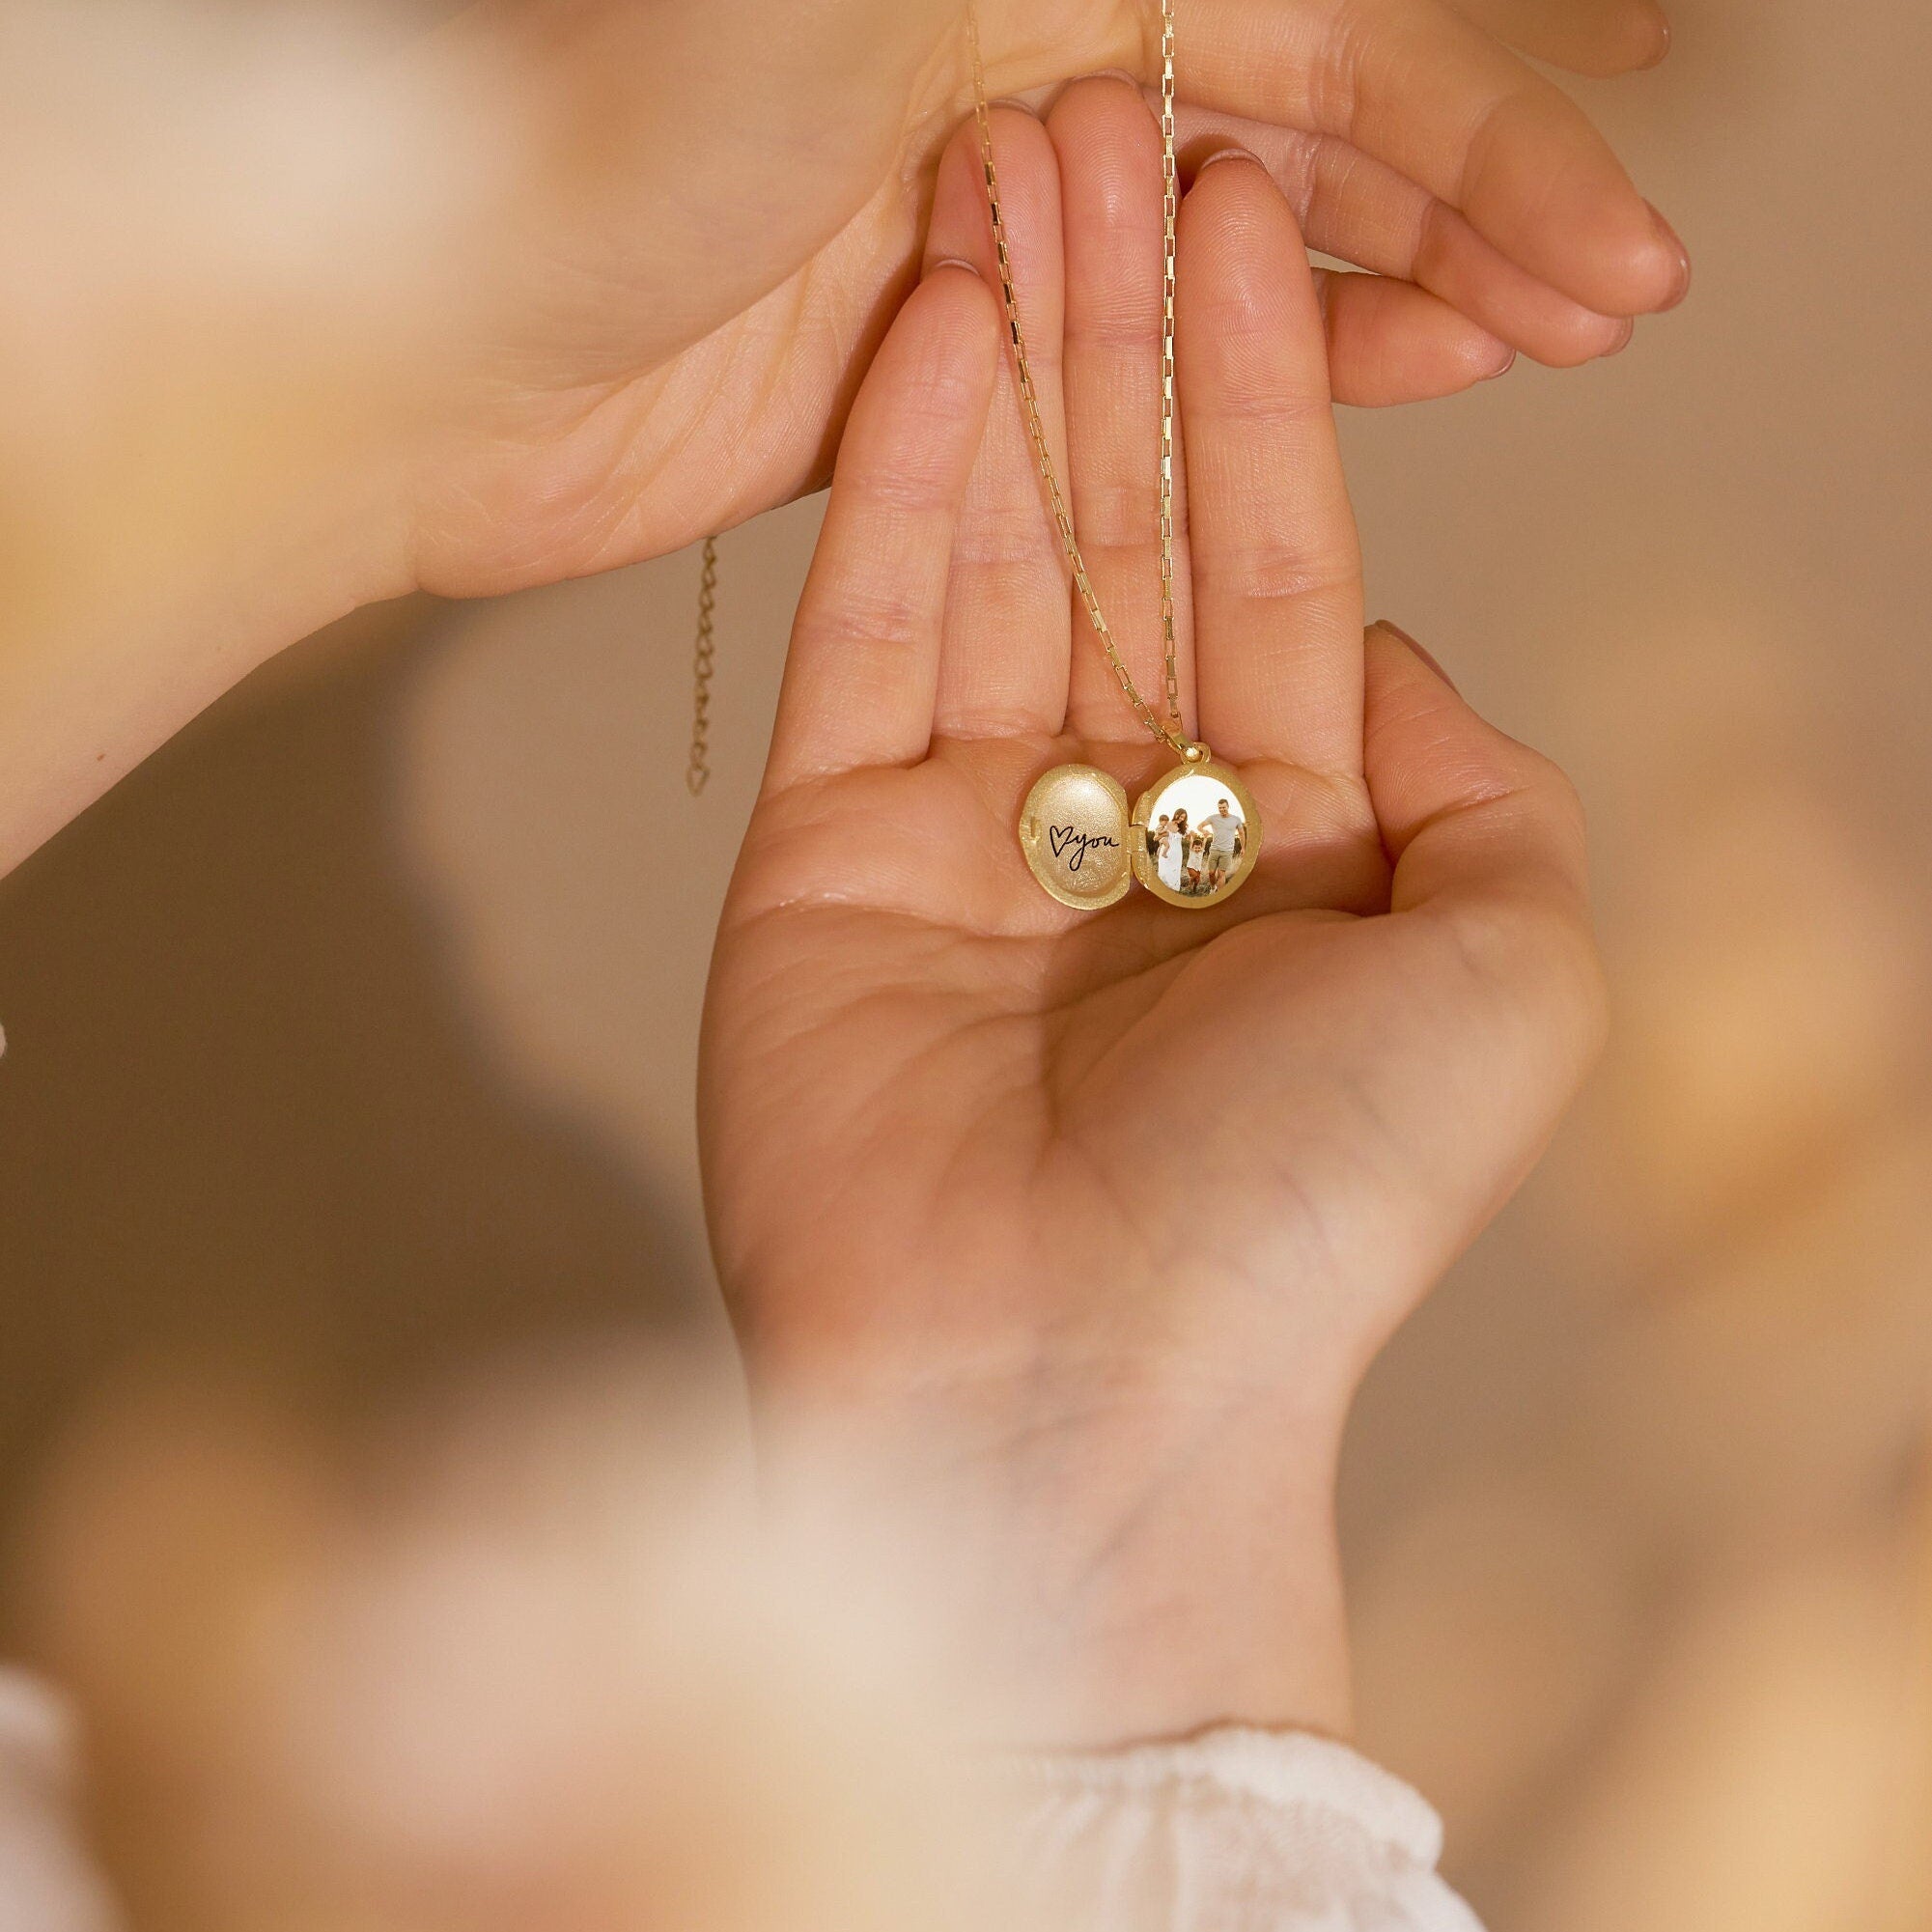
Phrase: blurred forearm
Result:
[101,664]
[217,291]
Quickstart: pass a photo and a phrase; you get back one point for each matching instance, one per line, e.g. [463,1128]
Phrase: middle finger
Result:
[1110,189]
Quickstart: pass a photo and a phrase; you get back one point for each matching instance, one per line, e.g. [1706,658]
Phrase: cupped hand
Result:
[1086,1224]
[717,204]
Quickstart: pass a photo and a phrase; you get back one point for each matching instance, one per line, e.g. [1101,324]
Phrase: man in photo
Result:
[1225,836]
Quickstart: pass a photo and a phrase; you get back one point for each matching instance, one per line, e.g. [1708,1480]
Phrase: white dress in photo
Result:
[1173,846]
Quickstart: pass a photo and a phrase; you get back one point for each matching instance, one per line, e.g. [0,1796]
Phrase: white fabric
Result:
[1239,1831]
[45,1881]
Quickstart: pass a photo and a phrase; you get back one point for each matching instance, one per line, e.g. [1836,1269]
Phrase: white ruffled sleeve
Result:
[1236,1830]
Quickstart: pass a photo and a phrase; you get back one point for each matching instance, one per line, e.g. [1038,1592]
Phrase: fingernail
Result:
[1401,637]
[1503,368]
[1661,28]
[1681,285]
[951,262]
[1231,153]
[1116,74]
[1622,341]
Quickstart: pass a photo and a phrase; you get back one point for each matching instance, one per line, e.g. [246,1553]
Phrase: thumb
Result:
[1486,835]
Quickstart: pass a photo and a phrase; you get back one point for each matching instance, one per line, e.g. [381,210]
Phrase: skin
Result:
[849,105]
[1078,1232]
[675,236]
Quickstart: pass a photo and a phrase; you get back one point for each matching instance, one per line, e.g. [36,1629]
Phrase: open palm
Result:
[1000,1174]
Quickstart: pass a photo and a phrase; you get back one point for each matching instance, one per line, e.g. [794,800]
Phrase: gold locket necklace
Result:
[1193,837]
[1196,833]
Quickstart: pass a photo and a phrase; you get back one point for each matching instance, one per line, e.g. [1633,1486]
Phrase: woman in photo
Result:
[1174,851]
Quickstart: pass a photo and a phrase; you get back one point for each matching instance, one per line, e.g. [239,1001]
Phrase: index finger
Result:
[864,664]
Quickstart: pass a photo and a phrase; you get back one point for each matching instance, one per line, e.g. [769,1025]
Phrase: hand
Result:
[1085,1225]
[729,204]
[574,282]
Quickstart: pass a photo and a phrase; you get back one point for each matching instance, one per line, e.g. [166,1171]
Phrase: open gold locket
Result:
[1193,839]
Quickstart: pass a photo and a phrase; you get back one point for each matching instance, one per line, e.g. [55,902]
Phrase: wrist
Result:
[1117,1561]
[1208,1593]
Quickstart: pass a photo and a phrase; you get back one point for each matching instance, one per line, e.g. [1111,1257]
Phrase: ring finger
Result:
[1278,565]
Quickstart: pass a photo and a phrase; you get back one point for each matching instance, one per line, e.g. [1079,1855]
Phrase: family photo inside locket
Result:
[1193,837]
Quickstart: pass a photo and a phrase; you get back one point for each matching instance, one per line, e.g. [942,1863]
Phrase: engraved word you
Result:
[1064,839]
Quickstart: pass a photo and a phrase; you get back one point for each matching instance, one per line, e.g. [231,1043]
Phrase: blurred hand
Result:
[727,200]
[1085,1225]
[566,283]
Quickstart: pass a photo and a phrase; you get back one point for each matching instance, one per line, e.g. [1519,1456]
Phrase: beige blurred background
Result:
[357,1031]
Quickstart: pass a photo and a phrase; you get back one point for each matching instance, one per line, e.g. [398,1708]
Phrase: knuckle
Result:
[1009,536]
[881,616]
[1114,325]
[1263,412]
[1333,90]
[1538,961]
[1270,571]
[1118,516]
[918,487]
